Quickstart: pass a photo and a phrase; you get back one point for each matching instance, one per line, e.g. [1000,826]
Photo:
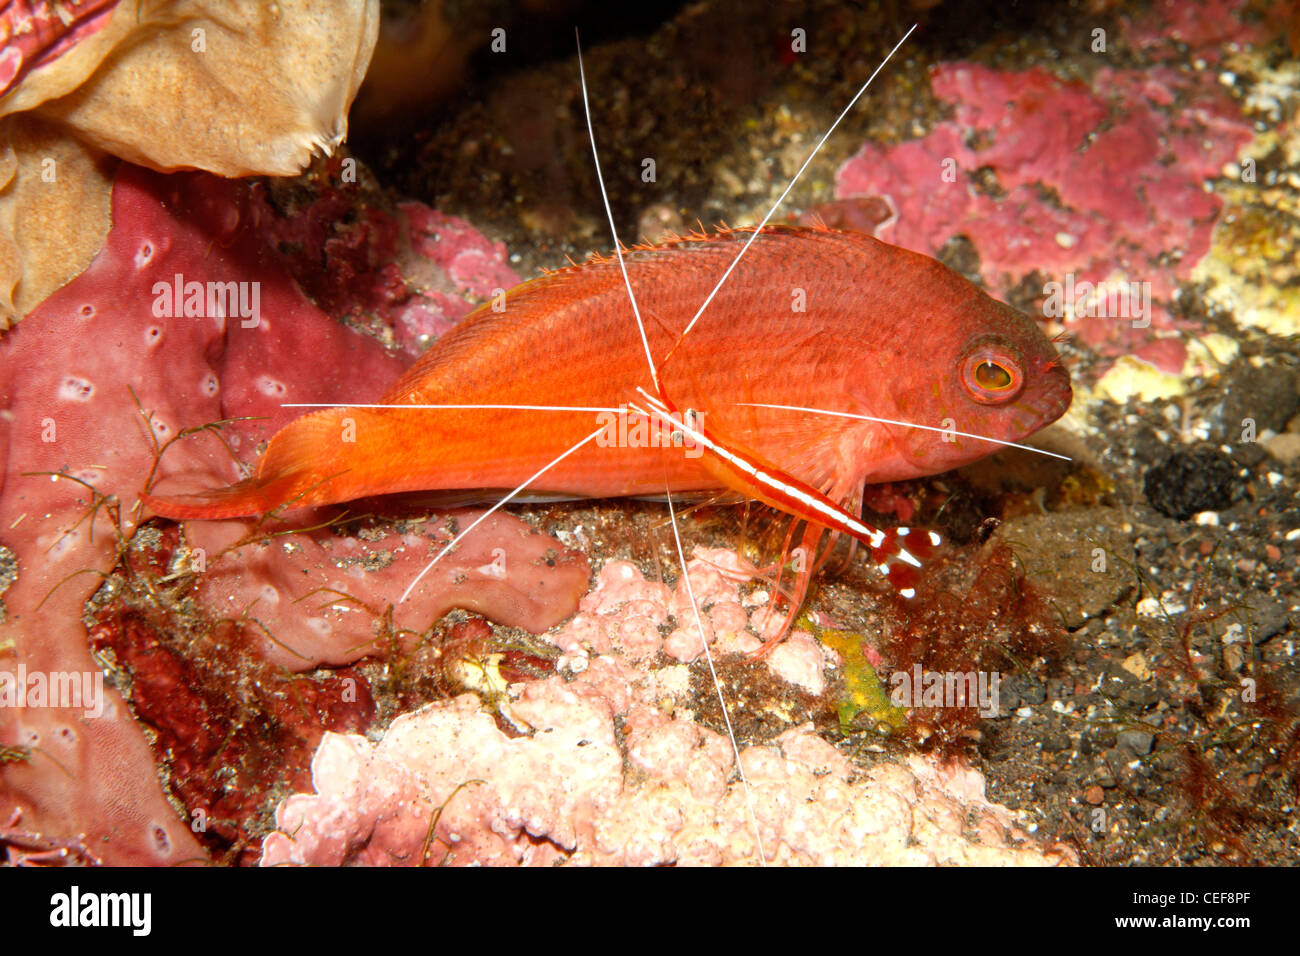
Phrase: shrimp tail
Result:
[306,463]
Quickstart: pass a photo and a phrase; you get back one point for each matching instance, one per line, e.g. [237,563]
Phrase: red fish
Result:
[811,317]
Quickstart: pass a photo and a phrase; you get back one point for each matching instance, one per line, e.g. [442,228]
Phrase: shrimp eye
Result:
[991,377]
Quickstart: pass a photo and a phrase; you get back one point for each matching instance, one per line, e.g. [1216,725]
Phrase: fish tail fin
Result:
[307,463]
[252,496]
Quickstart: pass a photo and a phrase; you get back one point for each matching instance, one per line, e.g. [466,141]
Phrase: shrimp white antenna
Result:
[479,520]
[609,212]
[654,377]
[717,685]
[780,199]
[892,421]
[515,408]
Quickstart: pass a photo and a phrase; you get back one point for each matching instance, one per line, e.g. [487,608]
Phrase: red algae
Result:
[402,271]
[977,614]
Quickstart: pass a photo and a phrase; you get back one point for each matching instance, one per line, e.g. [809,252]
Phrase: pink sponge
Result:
[323,599]
[74,380]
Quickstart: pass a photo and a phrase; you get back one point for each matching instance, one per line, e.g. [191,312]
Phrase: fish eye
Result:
[991,376]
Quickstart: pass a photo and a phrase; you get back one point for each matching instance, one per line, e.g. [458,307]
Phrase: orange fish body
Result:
[811,317]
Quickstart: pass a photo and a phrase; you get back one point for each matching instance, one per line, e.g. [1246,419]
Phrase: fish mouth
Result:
[1035,412]
[1064,396]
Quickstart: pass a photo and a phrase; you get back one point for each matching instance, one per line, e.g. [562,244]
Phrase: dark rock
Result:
[1170,761]
[1094,740]
[1008,697]
[1249,454]
[960,255]
[1192,480]
[1059,688]
[1117,761]
[1032,691]
[1141,696]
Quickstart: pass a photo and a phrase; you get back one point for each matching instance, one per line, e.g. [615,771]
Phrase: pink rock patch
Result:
[1203,26]
[323,601]
[474,263]
[1105,183]
[623,615]
[412,270]
[563,795]
[799,661]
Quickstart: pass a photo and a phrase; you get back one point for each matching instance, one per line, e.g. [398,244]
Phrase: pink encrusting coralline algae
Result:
[405,274]
[1102,182]
[608,765]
